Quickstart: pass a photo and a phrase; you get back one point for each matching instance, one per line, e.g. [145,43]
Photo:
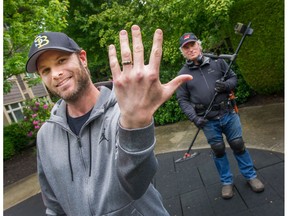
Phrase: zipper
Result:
[79,142]
[204,77]
[81,153]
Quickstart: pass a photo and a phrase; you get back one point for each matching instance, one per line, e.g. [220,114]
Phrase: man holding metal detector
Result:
[205,101]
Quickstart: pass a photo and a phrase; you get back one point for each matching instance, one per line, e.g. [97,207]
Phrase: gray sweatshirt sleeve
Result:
[49,199]
[136,163]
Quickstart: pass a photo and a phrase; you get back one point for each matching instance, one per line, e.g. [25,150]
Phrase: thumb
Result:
[179,80]
[175,83]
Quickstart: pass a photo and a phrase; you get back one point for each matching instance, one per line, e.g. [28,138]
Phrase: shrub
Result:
[36,112]
[261,59]
[242,91]
[15,140]
[169,112]
[8,150]
[19,136]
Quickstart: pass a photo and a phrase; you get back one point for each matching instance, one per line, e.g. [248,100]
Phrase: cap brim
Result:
[188,41]
[31,63]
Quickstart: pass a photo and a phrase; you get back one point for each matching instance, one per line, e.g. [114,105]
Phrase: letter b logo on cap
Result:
[41,41]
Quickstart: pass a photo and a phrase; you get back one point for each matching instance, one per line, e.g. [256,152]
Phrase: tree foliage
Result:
[99,24]
[23,20]
[95,25]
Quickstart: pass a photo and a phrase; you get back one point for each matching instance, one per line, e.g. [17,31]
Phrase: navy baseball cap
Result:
[186,38]
[49,41]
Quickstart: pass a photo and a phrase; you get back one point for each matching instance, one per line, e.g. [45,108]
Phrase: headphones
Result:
[199,60]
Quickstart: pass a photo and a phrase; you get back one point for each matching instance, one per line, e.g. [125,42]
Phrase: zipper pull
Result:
[79,142]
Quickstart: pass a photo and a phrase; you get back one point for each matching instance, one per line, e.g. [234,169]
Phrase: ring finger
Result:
[125,49]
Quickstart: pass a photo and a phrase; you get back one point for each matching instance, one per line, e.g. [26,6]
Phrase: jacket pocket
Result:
[128,210]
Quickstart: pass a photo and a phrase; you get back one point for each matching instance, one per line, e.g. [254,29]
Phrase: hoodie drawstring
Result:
[90,154]
[69,156]
[90,149]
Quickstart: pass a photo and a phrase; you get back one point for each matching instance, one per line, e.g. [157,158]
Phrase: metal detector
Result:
[239,29]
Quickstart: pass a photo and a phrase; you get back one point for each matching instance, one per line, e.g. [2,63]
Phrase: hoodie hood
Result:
[190,64]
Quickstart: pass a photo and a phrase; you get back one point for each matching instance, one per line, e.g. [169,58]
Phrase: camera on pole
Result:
[240,28]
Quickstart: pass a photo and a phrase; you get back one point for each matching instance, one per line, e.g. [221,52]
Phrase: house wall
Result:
[20,92]
[15,95]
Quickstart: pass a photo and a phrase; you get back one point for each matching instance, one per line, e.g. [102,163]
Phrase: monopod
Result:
[239,29]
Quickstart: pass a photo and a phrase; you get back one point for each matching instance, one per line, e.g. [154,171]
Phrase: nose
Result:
[191,48]
[56,73]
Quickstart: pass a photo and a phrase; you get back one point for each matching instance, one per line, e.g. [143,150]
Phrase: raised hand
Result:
[138,89]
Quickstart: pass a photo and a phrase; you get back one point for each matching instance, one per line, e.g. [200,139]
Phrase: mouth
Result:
[192,55]
[63,82]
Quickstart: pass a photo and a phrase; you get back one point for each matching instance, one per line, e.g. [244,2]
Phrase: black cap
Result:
[49,41]
[186,38]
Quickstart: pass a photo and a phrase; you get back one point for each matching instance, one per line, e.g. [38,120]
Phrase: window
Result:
[15,111]
[31,75]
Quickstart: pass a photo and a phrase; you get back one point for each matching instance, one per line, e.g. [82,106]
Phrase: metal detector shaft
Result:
[247,32]
[236,52]
[198,130]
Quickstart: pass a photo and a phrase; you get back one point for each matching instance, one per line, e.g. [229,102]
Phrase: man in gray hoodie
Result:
[95,153]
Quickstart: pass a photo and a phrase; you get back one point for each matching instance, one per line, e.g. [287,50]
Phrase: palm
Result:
[138,89]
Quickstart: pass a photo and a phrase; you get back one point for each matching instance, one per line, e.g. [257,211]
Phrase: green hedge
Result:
[261,58]
[15,140]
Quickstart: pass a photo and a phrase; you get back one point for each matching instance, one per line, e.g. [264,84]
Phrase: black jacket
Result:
[201,89]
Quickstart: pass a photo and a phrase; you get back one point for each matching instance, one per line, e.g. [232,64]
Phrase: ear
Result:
[83,58]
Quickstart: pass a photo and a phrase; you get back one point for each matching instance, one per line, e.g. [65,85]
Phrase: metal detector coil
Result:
[186,157]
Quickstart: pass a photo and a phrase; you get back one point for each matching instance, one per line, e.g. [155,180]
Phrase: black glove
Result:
[220,86]
[200,121]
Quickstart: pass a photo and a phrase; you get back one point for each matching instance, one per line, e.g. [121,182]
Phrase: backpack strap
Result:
[108,84]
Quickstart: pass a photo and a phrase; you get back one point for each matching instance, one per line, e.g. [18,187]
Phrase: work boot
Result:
[256,185]
[227,191]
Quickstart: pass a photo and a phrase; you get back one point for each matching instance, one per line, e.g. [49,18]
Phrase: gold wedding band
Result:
[126,62]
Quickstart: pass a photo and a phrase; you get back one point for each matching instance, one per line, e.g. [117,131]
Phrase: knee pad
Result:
[218,149]
[237,145]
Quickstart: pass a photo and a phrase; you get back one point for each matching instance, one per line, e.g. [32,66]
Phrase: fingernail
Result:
[123,32]
[159,31]
[135,27]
